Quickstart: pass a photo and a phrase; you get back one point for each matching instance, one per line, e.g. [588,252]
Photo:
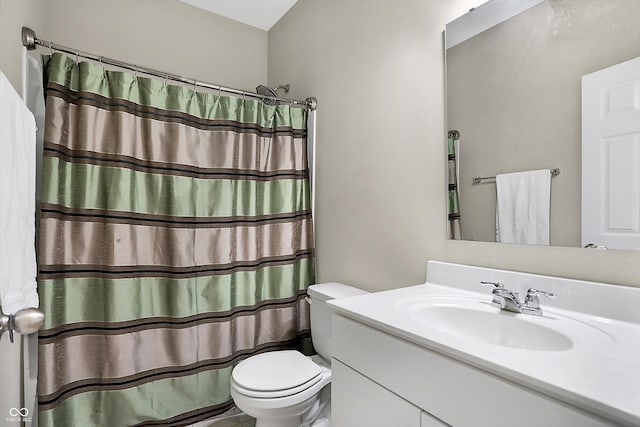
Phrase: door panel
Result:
[611,156]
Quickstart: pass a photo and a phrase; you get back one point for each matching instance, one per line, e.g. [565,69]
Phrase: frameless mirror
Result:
[526,91]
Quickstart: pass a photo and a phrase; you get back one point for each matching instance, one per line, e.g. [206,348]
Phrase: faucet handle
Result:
[532,301]
[497,285]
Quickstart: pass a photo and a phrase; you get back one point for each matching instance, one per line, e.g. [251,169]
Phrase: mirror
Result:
[514,72]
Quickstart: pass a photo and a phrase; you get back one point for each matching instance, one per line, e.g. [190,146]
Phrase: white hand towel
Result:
[17,202]
[522,209]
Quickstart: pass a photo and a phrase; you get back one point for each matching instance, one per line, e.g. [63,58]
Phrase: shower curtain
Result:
[175,240]
[455,229]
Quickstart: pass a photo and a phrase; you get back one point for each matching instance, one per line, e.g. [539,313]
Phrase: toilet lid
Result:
[276,370]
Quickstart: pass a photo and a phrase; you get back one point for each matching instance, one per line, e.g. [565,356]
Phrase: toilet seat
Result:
[275,374]
[291,401]
[275,393]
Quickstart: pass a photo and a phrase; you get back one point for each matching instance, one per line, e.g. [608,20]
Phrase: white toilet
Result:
[286,388]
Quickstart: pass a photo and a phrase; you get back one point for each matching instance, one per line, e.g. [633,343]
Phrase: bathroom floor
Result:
[233,418]
[234,421]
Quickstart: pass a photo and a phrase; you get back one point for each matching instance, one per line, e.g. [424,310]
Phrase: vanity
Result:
[440,354]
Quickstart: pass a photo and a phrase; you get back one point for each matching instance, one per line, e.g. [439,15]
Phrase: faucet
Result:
[508,300]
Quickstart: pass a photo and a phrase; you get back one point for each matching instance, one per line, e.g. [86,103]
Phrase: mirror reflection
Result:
[536,87]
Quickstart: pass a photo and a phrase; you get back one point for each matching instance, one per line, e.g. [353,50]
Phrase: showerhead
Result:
[266,91]
[273,93]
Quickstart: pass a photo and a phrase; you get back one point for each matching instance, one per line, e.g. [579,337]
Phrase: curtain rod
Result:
[29,40]
[481,179]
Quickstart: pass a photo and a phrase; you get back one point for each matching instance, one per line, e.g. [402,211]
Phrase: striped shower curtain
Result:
[175,240]
[453,208]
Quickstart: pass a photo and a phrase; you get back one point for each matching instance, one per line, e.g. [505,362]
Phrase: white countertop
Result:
[600,373]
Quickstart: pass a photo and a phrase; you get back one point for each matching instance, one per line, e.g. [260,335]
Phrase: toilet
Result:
[286,388]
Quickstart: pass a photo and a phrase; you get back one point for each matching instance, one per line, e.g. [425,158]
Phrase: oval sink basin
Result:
[491,327]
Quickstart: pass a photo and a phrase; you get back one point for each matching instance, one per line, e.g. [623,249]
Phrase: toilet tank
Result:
[321,312]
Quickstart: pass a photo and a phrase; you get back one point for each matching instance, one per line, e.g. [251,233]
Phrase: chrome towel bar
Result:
[484,179]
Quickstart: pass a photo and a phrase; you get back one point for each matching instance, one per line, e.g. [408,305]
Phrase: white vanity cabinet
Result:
[359,401]
[383,380]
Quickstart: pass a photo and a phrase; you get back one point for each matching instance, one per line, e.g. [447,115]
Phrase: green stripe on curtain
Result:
[175,240]
[87,80]
[137,405]
[122,189]
[172,297]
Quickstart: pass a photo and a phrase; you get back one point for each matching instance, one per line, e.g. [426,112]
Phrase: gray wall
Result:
[376,68]
[514,93]
[13,15]
[164,34]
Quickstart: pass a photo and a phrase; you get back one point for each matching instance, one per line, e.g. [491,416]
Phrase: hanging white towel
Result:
[33,95]
[522,209]
[17,201]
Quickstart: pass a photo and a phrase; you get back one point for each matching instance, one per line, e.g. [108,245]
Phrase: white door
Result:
[611,156]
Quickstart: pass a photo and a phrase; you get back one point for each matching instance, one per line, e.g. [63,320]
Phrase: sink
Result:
[478,321]
[498,328]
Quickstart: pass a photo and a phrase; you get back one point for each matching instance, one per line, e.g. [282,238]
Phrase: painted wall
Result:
[161,34]
[378,77]
[514,93]
[14,14]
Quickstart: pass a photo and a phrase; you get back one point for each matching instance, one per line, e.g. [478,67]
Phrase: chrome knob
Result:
[28,321]
[532,301]
[25,322]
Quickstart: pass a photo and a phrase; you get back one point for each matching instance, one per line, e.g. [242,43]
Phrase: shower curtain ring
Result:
[195,82]
[104,72]
[50,50]
[77,55]
[166,77]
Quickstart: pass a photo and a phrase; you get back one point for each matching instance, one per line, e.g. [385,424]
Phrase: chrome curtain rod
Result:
[30,41]
[482,179]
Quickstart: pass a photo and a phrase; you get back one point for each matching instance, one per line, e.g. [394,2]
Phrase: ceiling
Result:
[261,14]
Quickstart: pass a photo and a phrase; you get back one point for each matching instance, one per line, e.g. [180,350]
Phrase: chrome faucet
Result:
[506,299]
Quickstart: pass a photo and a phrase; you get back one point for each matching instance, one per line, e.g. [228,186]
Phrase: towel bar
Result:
[482,179]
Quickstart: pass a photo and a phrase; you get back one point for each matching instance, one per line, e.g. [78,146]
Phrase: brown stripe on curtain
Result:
[64,213]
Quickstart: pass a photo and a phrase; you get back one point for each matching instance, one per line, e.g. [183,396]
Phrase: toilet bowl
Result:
[286,388]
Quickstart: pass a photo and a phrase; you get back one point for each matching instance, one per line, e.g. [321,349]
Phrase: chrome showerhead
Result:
[266,91]
[271,93]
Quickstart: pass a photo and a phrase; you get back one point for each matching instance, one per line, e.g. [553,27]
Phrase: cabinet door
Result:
[429,420]
[356,401]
